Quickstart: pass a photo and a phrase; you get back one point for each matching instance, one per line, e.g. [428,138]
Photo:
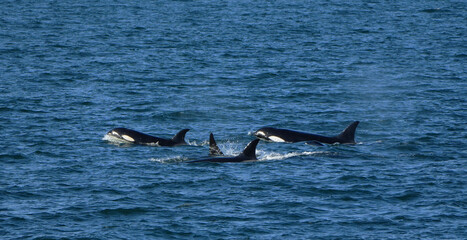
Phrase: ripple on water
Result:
[124,211]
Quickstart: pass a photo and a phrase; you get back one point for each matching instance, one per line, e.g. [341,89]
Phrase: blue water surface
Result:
[72,70]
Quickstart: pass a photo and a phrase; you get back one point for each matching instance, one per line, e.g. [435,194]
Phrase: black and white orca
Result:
[285,135]
[248,154]
[214,150]
[136,137]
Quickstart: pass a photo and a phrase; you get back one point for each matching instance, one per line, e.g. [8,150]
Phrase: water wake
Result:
[265,156]
[175,159]
[196,143]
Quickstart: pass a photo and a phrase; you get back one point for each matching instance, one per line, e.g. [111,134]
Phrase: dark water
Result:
[72,70]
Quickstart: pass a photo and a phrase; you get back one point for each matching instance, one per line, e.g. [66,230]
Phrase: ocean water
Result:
[72,70]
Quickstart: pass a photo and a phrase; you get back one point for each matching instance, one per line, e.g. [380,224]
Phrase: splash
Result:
[231,148]
[264,156]
[114,140]
[251,133]
[196,143]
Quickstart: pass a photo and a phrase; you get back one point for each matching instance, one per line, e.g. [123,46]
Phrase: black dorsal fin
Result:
[348,135]
[180,136]
[213,148]
[250,150]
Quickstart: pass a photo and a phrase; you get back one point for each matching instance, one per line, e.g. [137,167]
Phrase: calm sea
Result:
[72,70]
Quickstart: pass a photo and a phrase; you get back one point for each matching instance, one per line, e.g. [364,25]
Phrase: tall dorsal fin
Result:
[213,148]
[348,135]
[250,150]
[180,136]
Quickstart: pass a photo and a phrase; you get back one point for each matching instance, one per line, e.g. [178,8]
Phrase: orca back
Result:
[286,135]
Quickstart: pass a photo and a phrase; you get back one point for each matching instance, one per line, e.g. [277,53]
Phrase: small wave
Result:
[187,205]
[433,10]
[124,211]
[407,196]
[5,109]
[17,156]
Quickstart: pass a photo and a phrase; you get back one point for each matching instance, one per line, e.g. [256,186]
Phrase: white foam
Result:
[230,148]
[279,156]
[113,139]
[175,159]
[195,143]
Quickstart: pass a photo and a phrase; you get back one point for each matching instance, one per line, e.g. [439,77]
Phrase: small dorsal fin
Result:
[250,150]
[213,148]
[180,136]
[348,135]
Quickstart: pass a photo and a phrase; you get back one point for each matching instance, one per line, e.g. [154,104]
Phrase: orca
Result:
[285,135]
[214,150]
[248,154]
[136,137]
